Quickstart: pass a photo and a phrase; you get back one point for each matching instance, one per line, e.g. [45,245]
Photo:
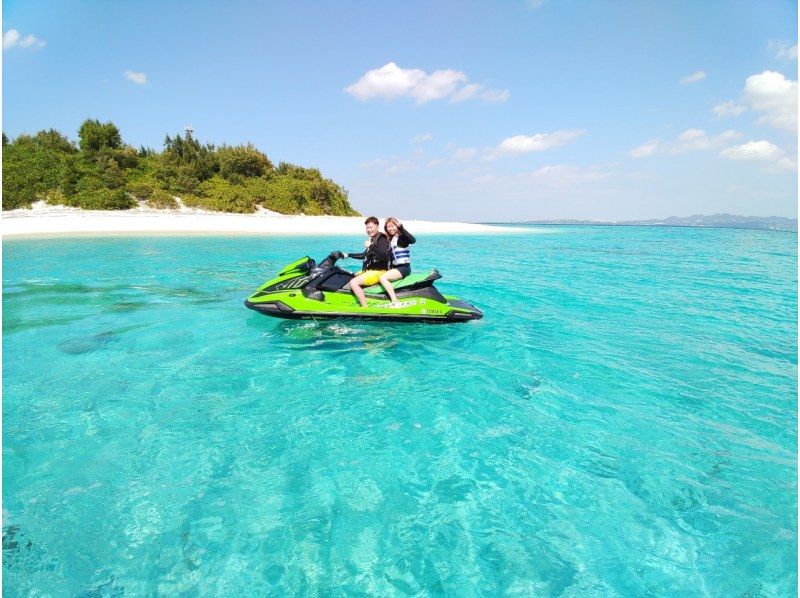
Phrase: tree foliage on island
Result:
[101,172]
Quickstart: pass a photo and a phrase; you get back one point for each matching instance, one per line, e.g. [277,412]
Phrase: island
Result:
[102,172]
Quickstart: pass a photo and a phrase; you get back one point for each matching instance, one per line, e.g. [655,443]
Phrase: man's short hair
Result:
[371,219]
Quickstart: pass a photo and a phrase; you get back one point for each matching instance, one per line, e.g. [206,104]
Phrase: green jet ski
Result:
[305,289]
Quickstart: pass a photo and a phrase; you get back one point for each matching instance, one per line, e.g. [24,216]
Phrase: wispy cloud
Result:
[561,175]
[647,149]
[691,140]
[422,138]
[782,165]
[524,144]
[464,154]
[13,39]
[480,91]
[392,165]
[783,51]
[376,163]
[138,78]
[728,109]
[391,81]
[774,158]
[693,78]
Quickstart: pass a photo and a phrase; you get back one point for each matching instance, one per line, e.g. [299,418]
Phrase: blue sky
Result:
[478,111]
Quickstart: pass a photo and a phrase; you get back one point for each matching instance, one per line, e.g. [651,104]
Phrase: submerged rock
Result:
[87,344]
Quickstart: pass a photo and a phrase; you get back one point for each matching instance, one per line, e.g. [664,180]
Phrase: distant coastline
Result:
[775,223]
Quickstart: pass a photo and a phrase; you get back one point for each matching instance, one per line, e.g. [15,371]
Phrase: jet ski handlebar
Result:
[333,256]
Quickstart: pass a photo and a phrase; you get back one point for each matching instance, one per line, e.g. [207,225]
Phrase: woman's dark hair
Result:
[372,219]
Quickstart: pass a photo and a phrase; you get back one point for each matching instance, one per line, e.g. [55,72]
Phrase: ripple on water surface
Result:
[621,422]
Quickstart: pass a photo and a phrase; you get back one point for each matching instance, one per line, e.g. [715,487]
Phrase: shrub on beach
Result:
[161,200]
[154,197]
[103,199]
[296,190]
[56,197]
[218,194]
[242,161]
[236,203]
[33,166]
[140,191]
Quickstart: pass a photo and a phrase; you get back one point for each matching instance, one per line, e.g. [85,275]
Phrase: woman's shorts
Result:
[404,270]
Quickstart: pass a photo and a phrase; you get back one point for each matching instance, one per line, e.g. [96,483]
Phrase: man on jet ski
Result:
[377,257]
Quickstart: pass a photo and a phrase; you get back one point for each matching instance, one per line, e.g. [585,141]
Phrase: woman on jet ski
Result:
[400,241]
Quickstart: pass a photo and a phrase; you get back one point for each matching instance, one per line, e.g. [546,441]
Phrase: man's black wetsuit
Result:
[378,256]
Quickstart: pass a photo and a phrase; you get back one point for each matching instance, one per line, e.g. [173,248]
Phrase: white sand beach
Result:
[44,220]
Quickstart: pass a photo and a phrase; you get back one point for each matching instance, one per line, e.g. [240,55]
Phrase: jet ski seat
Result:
[409,283]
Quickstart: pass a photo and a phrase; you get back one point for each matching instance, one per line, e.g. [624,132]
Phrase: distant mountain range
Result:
[713,221]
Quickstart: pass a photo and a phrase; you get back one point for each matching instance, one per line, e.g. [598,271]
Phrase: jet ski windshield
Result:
[302,265]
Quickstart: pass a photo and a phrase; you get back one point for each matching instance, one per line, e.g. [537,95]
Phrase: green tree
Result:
[54,140]
[94,136]
[185,163]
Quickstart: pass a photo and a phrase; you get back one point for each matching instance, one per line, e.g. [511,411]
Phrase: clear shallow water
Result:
[623,421]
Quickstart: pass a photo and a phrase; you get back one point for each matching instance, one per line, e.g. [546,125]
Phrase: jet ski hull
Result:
[459,311]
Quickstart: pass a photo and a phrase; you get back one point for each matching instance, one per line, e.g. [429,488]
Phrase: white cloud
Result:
[648,149]
[10,39]
[376,163]
[28,41]
[753,150]
[464,154]
[774,95]
[392,165]
[466,92]
[691,140]
[693,78]
[13,39]
[400,166]
[477,90]
[561,175]
[783,51]
[138,78]
[422,138]
[728,109]
[495,95]
[391,81]
[523,144]
[782,165]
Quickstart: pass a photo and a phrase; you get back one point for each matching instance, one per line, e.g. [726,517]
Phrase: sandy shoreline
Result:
[50,221]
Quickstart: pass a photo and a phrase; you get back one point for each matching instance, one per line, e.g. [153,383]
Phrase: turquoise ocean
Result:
[622,422]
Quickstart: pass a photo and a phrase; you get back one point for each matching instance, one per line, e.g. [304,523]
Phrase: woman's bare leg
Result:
[386,281]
